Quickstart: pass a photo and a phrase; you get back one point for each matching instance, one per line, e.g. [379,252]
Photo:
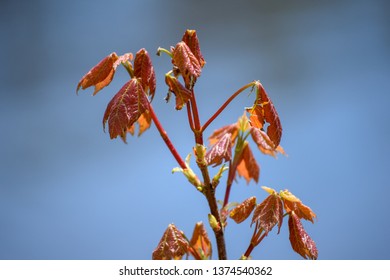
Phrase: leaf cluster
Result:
[229,150]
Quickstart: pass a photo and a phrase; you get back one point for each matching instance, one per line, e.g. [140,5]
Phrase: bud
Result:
[218,176]
[214,223]
[200,153]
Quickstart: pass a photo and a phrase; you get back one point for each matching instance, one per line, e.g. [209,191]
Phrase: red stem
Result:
[233,168]
[166,139]
[229,184]
[189,114]
[197,127]
[227,102]
[256,239]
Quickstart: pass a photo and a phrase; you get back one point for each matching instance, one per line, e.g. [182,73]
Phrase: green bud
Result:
[214,223]
[218,176]
[200,152]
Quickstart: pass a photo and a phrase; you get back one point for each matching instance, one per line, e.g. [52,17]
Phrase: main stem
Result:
[209,192]
[208,189]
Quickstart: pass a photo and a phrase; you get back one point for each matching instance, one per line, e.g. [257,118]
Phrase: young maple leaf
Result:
[200,244]
[247,166]
[300,241]
[102,74]
[222,150]
[188,65]
[292,203]
[173,245]
[181,93]
[263,111]
[144,122]
[232,129]
[143,69]
[269,213]
[125,108]
[242,211]
[264,143]
[191,39]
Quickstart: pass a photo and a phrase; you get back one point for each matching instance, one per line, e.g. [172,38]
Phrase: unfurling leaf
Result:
[189,174]
[187,63]
[173,245]
[200,243]
[100,75]
[263,111]
[241,212]
[222,150]
[122,59]
[125,108]
[248,167]
[219,133]
[143,70]
[217,177]
[191,39]
[300,241]
[269,213]
[269,190]
[292,203]
[181,93]
[243,123]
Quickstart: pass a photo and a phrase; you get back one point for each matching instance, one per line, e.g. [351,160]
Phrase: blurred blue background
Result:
[69,192]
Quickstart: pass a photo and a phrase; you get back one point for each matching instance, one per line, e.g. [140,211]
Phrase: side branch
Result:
[224,105]
[166,139]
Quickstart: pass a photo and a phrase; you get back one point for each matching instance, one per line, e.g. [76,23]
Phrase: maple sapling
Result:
[229,151]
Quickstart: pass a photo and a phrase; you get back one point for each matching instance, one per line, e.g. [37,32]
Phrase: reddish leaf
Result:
[182,94]
[191,39]
[200,243]
[265,145]
[241,212]
[173,245]
[222,150]
[143,70]
[269,213]
[219,133]
[144,122]
[101,75]
[125,108]
[248,167]
[292,203]
[300,240]
[263,111]
[187,64]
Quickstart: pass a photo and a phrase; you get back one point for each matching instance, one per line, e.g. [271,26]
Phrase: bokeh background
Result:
[69,192]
